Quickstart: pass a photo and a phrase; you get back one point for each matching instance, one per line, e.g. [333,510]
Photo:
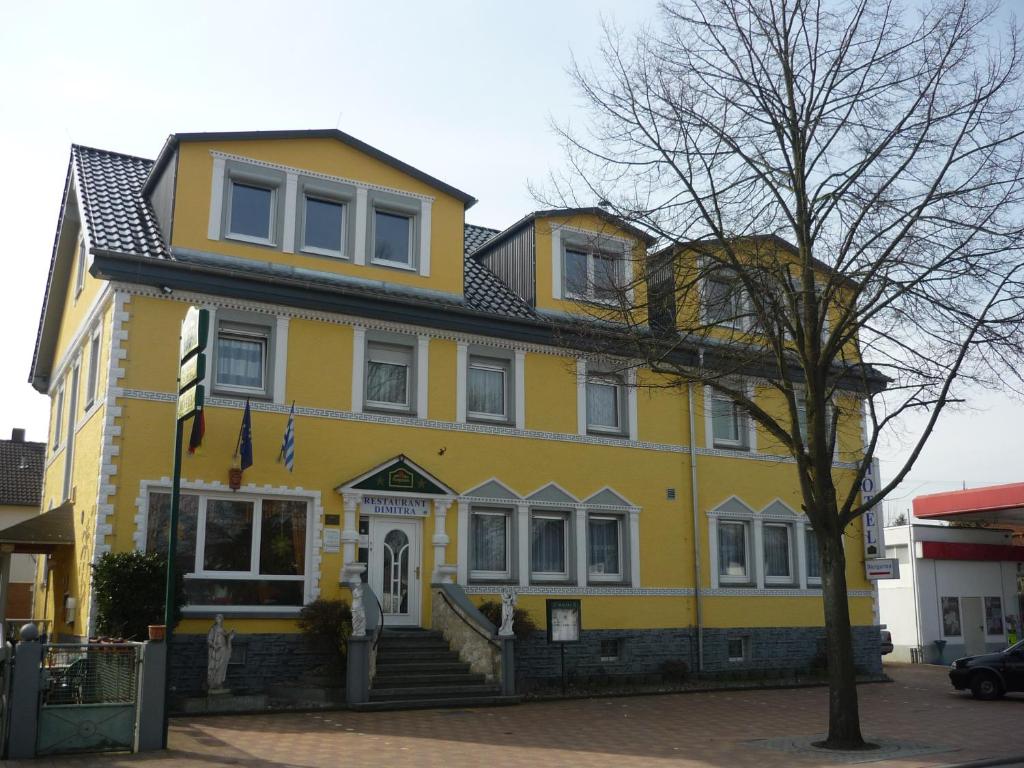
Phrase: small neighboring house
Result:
[960,588]
[21,482]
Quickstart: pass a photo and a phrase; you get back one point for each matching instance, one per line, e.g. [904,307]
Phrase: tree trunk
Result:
[843,712]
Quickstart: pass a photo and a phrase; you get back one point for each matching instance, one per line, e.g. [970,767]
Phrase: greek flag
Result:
[288,443]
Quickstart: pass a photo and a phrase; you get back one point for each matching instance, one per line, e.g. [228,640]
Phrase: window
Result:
[733,551]
[592,275]
[238,551]
[994,616]
[251,212]
[950,616]
[388,377]
[80,268]
[242,354]
[94,363]
[778,561]
[392,238]
[604,548]
[610,649]
[724,301]
[58,418]
[813,555]
[737,648]
[605,404]
[899,552]
[323,229]
[728,422]
[549,547]
[487,389]
[490,544]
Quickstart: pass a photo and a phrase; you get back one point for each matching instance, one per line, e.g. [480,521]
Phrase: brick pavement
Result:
[686,730]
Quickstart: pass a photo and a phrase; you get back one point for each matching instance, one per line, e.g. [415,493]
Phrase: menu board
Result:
[563,621]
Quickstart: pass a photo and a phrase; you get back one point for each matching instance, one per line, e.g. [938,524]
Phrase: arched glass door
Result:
[396,572]
[394,569]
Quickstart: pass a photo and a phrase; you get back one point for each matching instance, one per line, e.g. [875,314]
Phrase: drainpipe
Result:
[699,599]
[911,550]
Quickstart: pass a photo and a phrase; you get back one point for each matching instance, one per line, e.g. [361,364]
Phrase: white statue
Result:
[218,649]
[358,612]
[508,612]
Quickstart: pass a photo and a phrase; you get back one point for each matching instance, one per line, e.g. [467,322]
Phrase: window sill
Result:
[222,391]
[618,581]
[598,432]
[386,410]
[731,447]
[394,265]
[498,421]
[240,612]
[249,240]
[313,251]
[729,584]
[493,580]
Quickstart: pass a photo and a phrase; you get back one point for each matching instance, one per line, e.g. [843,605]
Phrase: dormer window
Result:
[724,300]
[251,212]
[392,238]
[592,275]
[324,226]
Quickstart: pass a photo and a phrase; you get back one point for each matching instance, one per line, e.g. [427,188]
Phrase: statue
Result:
[218,648]
[358,612]
[508,611]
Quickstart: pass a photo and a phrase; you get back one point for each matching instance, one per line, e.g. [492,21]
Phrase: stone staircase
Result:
[416,669]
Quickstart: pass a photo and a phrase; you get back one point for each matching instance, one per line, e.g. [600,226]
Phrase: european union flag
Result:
[245,439]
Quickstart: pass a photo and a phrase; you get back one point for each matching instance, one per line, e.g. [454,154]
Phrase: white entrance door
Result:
[394,569]
[974,625]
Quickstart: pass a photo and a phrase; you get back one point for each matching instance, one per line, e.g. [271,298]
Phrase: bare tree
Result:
[837,189]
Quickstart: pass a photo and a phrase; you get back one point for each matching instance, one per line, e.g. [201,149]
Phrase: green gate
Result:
[87,698]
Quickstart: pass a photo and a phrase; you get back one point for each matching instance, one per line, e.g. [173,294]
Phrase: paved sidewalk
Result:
[687,730]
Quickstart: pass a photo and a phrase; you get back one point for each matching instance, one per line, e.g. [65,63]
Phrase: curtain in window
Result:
[732,549]
[490,548]
[813,556]
[547,544]
[604,546]
[283,538]
[725,421]
[776,550]
[485,390]
[602,404]
[240,361]
[387,383]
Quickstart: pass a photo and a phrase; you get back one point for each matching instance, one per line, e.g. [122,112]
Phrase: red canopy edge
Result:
[989,499]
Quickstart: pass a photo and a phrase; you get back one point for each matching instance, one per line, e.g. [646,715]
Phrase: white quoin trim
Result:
[461,365]
[425,238]
[358,362]
[556,262]
[291,186]
[581,545]
[359,257]
[462,568]
[581,396]
[634,548]
[520,372]
[523,537]
[422,379]
[216,199]
[280,359]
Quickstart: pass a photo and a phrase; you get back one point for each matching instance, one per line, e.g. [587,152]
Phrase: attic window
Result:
[250,216]
[592,275]
[80,268]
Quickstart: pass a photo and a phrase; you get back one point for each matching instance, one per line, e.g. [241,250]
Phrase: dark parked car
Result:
[886,642]
[990,675]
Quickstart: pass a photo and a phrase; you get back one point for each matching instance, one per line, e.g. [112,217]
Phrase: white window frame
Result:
[481,362]
[814,581]
[592,254]
[93,378]
[748,577]
[620,532]
[80,268]
[739,304]
[742,419]
[58,424]
[380,207]
[789,578]
[323,197]
[607,380]
[248,331]
[399,354]
[481,575]
[744,642]
[257,183]
[567,544]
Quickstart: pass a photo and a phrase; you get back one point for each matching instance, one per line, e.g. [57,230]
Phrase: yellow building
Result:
[443,430]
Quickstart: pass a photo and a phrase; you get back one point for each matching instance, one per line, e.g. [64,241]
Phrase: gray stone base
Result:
[646,655]
[222,703]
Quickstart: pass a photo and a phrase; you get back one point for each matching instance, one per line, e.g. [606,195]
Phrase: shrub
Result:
[327,624]
[128,588]
[522,622]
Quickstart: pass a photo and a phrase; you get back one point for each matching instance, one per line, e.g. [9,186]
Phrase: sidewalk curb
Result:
[994,761]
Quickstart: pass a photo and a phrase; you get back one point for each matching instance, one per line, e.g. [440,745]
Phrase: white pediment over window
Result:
[608,498]
[778,508]
[552,493]
[493,489]
[732,506]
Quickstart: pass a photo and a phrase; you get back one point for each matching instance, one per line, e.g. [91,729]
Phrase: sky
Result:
[465,91]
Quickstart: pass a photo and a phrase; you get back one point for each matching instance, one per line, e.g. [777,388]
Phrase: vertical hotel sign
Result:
[874,545]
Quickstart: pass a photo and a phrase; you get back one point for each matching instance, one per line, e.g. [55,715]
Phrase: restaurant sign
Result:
[395,505]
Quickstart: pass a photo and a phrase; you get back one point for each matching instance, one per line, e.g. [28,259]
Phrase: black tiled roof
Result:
[476,236]
[21,472]
[484,290]
[118,218]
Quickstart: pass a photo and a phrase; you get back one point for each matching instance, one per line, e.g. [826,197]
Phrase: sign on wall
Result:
[882,568]
[395,505]
[563,621]
[874,542]
[332,540]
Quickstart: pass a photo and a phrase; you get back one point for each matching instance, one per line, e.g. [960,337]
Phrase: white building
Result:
[956,585]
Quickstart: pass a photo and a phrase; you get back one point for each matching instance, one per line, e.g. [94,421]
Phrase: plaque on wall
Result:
[563,621]
[332,540]
[332,519]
